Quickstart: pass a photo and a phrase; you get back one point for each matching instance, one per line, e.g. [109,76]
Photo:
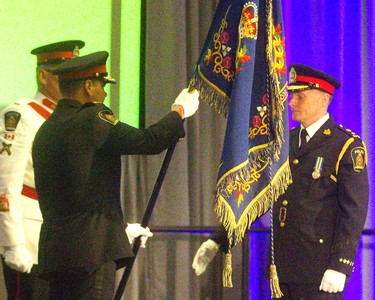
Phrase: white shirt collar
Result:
[313,128]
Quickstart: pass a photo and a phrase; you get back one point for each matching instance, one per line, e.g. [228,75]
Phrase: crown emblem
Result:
[76,52]
[292,75]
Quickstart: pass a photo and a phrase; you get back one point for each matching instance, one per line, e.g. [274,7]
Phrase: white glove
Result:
[189,101]
[18,258]
[204,255]
[134,230]
[333,281]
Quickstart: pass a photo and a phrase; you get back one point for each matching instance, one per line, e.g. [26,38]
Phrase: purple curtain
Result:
[339,38]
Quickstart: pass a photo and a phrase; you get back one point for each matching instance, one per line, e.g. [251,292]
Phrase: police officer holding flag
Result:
[77,159]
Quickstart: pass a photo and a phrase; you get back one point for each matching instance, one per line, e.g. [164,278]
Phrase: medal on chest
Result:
[318,167]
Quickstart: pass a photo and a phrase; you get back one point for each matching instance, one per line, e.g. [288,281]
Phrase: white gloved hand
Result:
[333,281]
[189,101]
[204,255]
[134,230]
[18,258]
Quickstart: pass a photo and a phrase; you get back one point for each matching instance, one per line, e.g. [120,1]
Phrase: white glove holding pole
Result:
[189,101]
[18,258]
[204,255]
[333,281]
[134,230]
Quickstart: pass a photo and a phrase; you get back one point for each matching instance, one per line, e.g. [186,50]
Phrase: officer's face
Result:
[99,93]
[308,106]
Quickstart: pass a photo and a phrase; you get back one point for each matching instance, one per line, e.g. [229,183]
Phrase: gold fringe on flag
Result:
[210,93]
[256,208]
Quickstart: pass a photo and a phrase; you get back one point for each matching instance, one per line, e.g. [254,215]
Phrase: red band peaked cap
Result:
[302,77]
[57,52]
[89,66]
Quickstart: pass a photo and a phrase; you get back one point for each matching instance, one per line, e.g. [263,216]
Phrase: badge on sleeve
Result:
[358,158]
[4,203]
[11,120]
[108,116]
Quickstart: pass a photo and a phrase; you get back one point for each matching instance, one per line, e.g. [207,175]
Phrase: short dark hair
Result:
[69,87]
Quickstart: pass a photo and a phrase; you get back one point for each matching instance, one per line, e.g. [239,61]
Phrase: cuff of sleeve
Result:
[342,265]
[181,131]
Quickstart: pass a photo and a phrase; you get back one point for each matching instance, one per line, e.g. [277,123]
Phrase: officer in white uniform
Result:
[20,216]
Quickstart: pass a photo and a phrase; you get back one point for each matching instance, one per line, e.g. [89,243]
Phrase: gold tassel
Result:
[274,282]
[227,272]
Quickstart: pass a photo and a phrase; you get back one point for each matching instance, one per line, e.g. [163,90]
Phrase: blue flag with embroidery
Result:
[241,72]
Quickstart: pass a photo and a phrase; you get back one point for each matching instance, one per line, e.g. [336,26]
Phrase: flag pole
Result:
[147,215]
[146,219]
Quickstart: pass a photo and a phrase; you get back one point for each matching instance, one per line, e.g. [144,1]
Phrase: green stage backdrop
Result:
[28,24]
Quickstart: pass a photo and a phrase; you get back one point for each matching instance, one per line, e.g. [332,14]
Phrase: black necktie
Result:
[303,138]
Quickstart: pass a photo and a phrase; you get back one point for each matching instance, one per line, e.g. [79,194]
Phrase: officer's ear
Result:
[325,99]
[89,87]
[42,76]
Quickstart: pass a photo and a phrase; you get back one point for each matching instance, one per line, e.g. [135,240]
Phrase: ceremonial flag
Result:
[241,72]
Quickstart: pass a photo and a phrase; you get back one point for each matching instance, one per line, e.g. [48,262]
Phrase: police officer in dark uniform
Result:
[319,220]
[77,160]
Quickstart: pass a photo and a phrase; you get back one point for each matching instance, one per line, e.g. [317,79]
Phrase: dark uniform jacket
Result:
[77,163]
[319,220]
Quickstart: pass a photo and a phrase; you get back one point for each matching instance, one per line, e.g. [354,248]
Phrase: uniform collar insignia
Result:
[327,132]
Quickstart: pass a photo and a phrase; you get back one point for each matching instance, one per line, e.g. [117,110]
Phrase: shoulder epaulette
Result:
[349,132]
[90,104]
[358,154]
[39,109]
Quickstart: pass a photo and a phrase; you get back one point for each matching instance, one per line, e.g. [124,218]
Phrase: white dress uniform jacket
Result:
[20,216]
